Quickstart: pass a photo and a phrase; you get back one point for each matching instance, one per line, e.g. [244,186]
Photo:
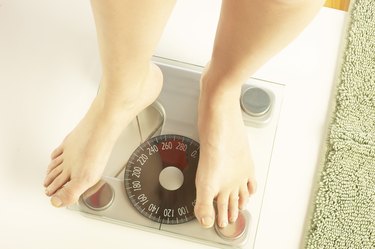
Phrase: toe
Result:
[244,197]
[222,209]
[54,163]
[233,207]
[70,193]
[204,209]
[50,177]
[251,186]
[57,152]
[57,183]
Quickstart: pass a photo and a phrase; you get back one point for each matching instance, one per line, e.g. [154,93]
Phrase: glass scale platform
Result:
[149,179]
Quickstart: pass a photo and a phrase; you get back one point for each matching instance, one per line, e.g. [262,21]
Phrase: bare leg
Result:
[248,34]
[128,32]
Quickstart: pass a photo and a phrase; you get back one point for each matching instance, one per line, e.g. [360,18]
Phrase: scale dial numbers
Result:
[145,187]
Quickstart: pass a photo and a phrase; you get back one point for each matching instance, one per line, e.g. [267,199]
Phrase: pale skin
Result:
[248,34]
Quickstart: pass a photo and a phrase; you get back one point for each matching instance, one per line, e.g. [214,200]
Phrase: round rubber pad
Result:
[255,101]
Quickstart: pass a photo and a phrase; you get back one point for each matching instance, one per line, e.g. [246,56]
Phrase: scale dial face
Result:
[145,173]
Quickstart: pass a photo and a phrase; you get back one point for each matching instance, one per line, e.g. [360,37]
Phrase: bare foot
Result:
[225,170]
[78,163]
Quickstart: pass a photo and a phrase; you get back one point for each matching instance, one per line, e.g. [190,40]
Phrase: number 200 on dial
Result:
[142,184]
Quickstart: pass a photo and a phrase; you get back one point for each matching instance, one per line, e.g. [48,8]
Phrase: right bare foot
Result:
[225,170]
[78,163]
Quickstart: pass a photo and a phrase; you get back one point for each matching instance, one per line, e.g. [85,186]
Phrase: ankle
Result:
[219,87]
[219,100]
[112,98]
[131,92]
[122,89]
[219,95]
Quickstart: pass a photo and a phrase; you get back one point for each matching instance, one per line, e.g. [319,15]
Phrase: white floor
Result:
[49,73]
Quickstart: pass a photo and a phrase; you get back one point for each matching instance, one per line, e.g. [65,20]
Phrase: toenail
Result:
[46,191]
[224,224]
[207,221]
[232,219]
[56,201]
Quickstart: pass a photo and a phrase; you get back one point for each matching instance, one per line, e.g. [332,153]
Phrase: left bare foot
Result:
[78,163]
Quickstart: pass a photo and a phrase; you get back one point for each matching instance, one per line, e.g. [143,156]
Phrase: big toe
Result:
[69,193]
[204,209]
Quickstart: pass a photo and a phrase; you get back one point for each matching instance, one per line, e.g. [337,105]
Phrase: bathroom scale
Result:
[149,179]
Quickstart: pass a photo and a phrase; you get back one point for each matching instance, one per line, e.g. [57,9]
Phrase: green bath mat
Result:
[343,212]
